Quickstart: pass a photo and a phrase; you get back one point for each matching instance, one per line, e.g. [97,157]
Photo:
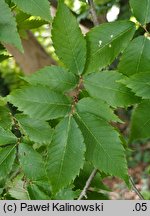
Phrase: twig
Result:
[93,12]
[87,185]
[135,188]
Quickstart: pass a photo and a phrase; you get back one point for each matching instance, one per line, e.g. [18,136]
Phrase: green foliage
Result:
[7,156]
[69,43]
[6,137]
[140,84]
[141,11]
[36,193]
[61,124]
[17,189]
[105,42]
[40,102]
[36,130]
[3,57]
[5,118]
[67,194]
[104,85]
[56,78]
[97,107]
[140,126]
[35,7]
[65,154]
[31,24]
[8,29]
[135,59]
[103,145]
[31,162]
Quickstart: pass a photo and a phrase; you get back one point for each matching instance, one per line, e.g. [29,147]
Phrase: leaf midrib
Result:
[146,14]
[7,155]
[93,136]
[64,152]
[39,102]
[106,87]
[112,40]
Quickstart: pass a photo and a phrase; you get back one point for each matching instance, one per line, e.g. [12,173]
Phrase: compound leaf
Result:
[69,43]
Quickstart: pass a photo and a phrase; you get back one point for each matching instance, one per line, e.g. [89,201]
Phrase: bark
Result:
[34,56]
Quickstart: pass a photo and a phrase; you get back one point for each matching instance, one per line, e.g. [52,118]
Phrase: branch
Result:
[93,12]
[87,185]
[135,188]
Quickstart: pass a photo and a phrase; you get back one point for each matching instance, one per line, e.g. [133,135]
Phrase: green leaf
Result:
[6,137]
[4,57]
[21,17]
[7,157]
[140,124]
[31,162]
[38,131]
[35,7]
[36,193]
[141,10]
[32,24]
[5,118]
[8,29]
[67,194]
[104,85]
[136,57]
[65,154]
[140,84]
[104,147]
[17,189]
[68,41]
[40,102]
[97,107]
[94,195]
[54,77]
[105,42]
[81,180]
